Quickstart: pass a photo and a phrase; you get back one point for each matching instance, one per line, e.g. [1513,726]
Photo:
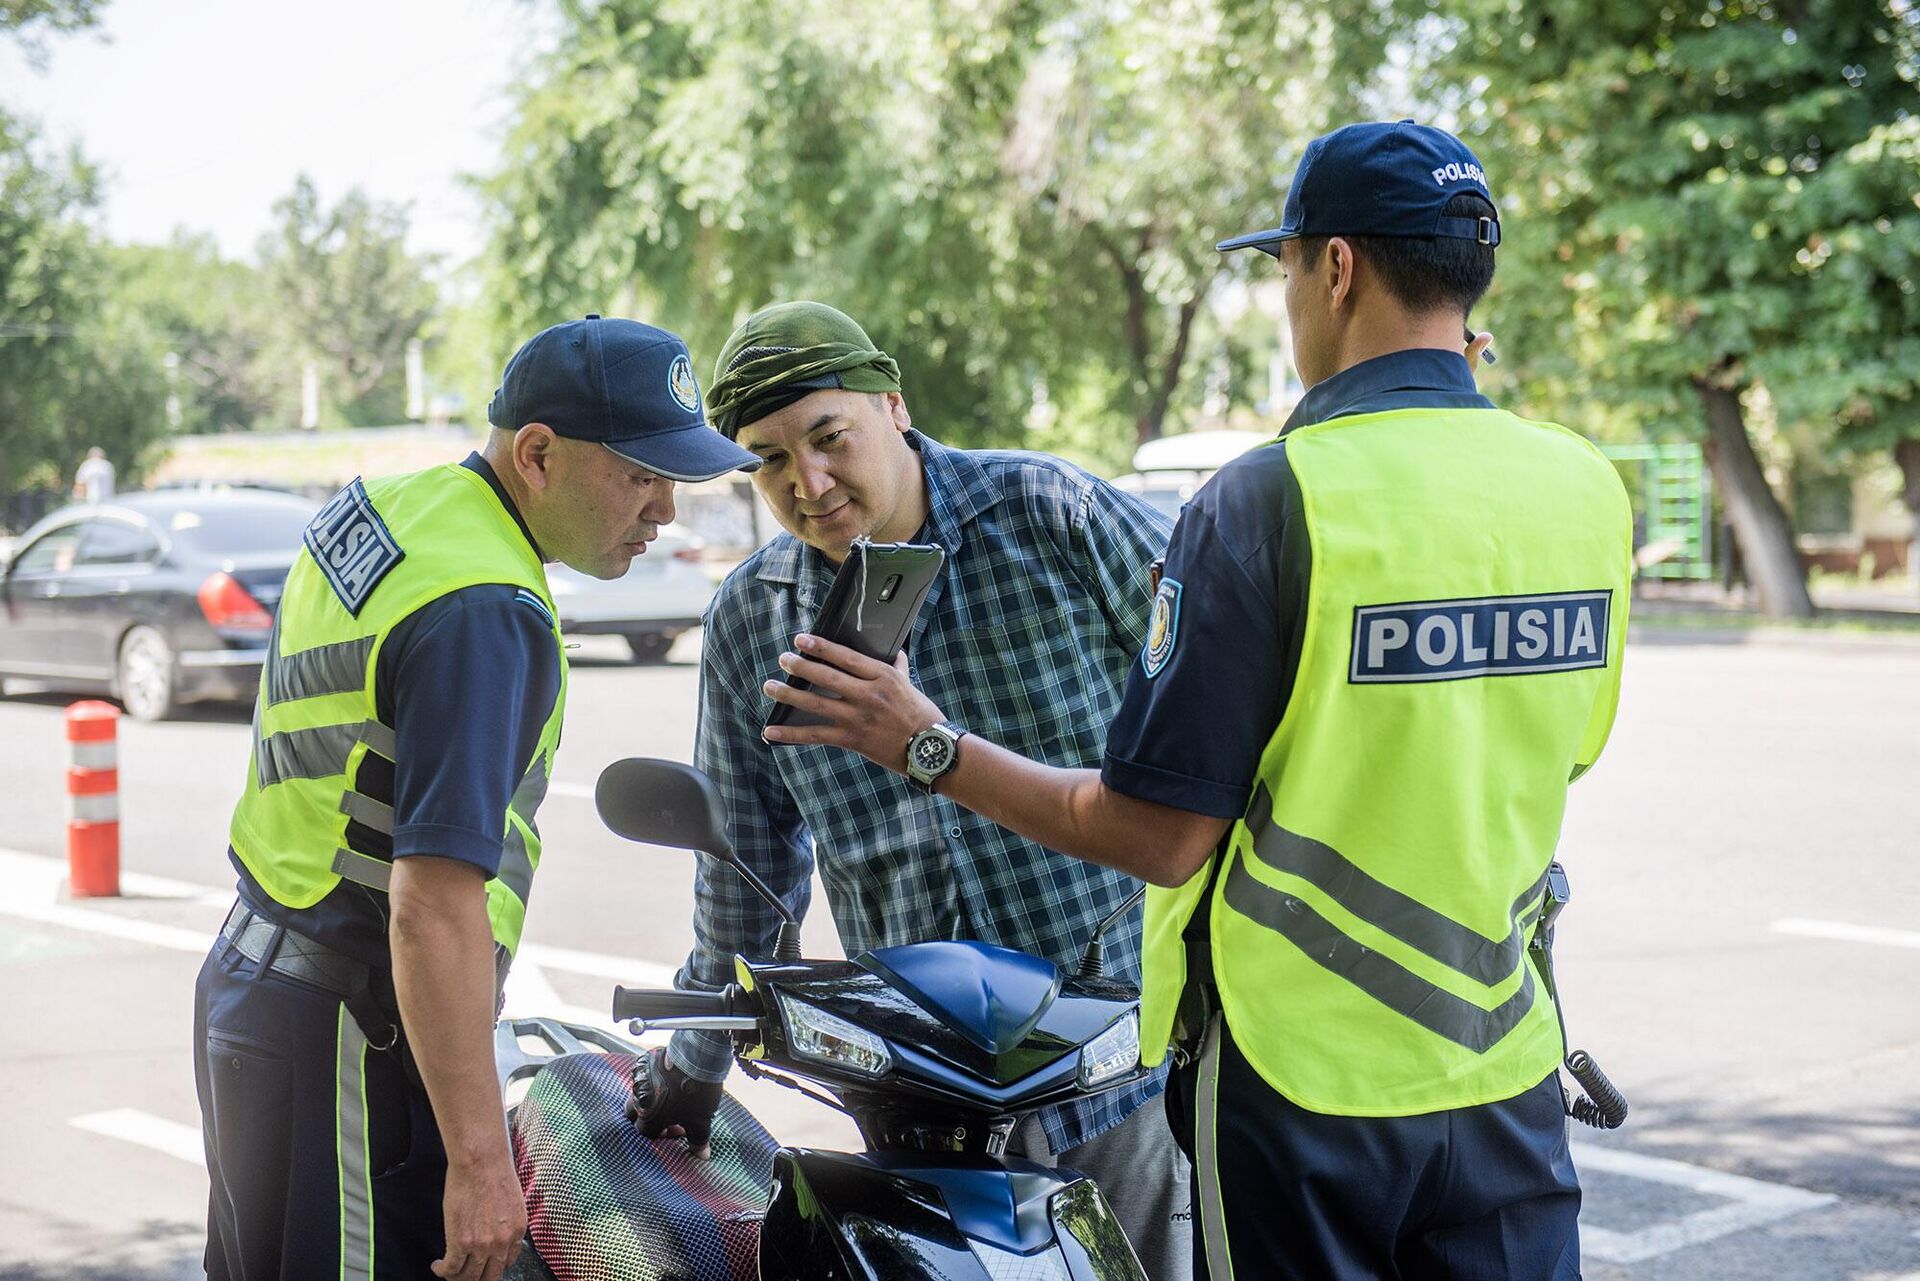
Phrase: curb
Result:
[1652,633]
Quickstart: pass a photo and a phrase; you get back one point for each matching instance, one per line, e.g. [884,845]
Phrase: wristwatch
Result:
[932,752]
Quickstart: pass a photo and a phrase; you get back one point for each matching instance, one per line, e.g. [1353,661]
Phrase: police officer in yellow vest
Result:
[385,843]
[1381,648]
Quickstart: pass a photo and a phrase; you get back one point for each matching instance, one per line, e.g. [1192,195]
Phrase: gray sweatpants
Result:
[1144,1176]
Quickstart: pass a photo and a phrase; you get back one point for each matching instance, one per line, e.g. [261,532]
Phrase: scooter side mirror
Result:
[674,804]
[663,803]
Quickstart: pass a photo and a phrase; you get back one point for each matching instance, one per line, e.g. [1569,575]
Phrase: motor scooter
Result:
[935,1049]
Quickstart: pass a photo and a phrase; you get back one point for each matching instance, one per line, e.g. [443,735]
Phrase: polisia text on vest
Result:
[1488,636]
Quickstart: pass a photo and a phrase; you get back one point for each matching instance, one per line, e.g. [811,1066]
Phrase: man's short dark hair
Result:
[1425,273]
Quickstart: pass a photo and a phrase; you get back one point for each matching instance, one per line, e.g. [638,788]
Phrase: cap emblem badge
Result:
[680,382]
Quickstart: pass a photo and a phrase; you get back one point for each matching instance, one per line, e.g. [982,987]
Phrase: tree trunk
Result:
[1150,427]
[1139,355]
[1759,523]
[1907,454]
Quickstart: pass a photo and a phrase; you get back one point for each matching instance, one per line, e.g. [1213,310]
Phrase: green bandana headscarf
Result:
[786,351]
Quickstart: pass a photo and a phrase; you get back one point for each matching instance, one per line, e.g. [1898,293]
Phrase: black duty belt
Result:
[296,956]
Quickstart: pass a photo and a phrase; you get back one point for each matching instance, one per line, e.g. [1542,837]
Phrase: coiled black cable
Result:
[1604,1108]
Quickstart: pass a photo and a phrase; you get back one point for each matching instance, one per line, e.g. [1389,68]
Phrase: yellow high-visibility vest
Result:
[378,552]
[1370,916]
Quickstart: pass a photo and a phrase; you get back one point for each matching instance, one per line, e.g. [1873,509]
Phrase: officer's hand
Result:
[486,1217]
[1475,348]
[869,707]
[669,1104]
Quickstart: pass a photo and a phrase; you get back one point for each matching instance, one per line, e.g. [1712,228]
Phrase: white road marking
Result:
[141,885]
[1847,933]
[530,995]
[34,885]
[50,874]
[1751,1203]
[599,965]
[147,1130]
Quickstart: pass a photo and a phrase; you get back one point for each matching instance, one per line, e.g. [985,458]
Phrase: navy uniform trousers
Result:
[1481,1192]
[324,1157]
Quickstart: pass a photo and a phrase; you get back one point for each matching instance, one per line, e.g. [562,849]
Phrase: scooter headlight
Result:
[1114,1052]
[812,1033]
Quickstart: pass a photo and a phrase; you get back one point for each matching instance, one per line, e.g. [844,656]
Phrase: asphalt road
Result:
[1742,954]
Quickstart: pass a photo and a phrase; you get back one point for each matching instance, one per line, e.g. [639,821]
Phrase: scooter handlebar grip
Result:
[667,1003]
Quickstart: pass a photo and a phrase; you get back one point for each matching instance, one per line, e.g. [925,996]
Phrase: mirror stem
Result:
[1093,962]
[790,926]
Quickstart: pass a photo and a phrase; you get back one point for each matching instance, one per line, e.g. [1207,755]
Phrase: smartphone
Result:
[871,607]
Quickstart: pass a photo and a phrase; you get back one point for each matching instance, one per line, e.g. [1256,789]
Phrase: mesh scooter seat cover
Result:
[605,1203]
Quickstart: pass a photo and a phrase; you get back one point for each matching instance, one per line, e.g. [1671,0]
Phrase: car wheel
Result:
[649,647]
[146,683]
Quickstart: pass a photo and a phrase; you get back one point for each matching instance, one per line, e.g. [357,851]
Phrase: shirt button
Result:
[954,832]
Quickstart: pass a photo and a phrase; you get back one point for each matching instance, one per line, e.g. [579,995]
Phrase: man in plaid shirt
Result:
[1047,576]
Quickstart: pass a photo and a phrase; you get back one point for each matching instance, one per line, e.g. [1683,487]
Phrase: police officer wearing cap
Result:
[1382,647]
[386,842]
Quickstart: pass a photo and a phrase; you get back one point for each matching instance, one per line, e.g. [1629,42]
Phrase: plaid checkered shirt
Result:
[1025,638]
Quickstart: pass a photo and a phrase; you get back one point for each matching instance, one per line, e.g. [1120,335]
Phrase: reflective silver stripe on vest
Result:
[350,1148]
[1381,977]
[339,668]
[367,812]
[362,869]
[516,861]
[1206,1157]
[320,752]
[1486,961]
[379,739]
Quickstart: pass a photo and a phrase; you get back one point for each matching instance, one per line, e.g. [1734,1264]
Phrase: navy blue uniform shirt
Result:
[467,682]
[1190,736]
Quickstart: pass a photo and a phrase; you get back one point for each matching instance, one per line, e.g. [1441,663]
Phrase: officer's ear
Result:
[534,447]
[1339,261]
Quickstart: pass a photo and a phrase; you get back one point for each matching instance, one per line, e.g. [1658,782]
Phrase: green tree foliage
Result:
[1010,194]
[27,21]
[1704,197]
[68,377]
[350,298]
[208,323]
[52,15]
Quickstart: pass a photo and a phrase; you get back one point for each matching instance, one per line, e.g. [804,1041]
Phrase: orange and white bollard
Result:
[93,799]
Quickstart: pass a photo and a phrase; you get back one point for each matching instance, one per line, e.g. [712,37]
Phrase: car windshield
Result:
[234,527]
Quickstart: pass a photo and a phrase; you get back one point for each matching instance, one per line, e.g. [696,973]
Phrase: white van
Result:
[1168,471]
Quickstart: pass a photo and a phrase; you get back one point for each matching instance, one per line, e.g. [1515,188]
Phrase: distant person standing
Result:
[93,479]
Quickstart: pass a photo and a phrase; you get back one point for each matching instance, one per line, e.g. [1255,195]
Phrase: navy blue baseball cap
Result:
[626,385]
[1380,180]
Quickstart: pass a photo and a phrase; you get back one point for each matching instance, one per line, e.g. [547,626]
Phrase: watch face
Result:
[931,752]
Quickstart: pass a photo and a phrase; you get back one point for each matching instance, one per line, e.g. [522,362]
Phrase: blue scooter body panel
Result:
[896,1214]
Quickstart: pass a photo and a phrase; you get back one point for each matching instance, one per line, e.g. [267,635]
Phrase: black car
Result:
[158,599]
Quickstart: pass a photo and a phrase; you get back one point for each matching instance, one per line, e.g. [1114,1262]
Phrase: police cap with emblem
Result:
[1379,180]
[626,385]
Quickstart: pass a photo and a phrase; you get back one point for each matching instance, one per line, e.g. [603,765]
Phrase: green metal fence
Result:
[1673,508]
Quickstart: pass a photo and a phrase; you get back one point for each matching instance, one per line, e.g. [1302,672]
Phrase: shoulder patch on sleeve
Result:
[352,546]
[1163,627]
[526,597]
